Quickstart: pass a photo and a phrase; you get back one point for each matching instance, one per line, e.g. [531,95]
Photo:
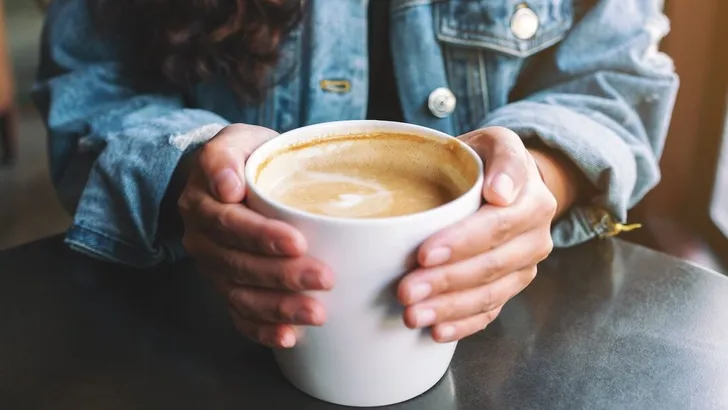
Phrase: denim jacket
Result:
[583,76]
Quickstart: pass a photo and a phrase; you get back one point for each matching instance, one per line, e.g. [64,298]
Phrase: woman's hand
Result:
[257,264]
[470,270]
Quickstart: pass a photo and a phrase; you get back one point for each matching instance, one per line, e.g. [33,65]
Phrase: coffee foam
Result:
[356,193]
[368,175]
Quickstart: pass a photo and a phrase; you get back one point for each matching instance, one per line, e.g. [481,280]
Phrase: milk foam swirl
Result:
[367,175]
[335,194]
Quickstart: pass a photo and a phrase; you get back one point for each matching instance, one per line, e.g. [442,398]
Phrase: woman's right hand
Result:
[259,265]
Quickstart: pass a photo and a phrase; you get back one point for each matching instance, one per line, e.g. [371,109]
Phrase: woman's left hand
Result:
[470,270]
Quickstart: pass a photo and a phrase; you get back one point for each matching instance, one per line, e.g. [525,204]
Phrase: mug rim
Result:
[353,127]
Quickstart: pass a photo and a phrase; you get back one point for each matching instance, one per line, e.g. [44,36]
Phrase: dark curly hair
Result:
[173,44]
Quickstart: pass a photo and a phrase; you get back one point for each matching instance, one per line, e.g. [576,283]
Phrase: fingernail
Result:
[447,333]
[438,256]
[225,182]
[419,292]
[288,340]
[311,280]
[424,317]
[503,186]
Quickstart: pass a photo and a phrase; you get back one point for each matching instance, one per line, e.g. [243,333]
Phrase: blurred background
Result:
[686,215]
[28,206]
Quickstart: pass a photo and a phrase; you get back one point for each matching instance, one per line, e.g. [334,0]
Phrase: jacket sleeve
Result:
[112,150]
[603,97]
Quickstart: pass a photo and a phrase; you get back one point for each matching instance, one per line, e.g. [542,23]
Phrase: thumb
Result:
[505,159]
[222,159]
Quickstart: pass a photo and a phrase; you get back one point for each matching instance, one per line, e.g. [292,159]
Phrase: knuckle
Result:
[494,263]
[223,219]
[541,206]
[547,247]
[532,273]
[483,322]
[547,205]
[229,260]
[551,200]
[551,205]
[233,262]
[281,312]
[510,151]
[446,311]
[491,316]
[237,297]
[486,300]
[287,277]
[184,203]
[444,280]
[502,225]
[254,234]
[501,132]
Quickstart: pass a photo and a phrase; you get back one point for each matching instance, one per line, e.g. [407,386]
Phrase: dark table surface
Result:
[606,325]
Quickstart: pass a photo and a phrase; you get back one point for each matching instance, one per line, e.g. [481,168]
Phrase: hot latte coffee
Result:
[372,175]
[365,195]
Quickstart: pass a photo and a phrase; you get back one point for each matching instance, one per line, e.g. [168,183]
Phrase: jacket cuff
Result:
[599,152]
[117,215]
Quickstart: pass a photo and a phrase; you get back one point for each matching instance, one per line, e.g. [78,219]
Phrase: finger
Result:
[486,229]
[506,163]
[272,335]
[240,228]
[267,306]
[222,159]
[489,228]
[292,274]
[463,304]
[460,329]
[526,250]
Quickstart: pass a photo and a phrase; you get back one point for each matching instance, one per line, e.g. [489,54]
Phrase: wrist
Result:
[561,177]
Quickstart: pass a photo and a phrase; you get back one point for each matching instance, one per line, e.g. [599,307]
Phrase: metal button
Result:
[441,102]
[524,23]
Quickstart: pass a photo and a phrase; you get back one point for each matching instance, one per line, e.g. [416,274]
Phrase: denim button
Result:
[524,23]
[441,102]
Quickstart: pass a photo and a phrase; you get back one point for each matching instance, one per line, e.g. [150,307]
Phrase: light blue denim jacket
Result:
[590,83]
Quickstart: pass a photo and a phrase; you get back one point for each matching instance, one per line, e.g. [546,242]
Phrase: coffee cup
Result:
[364,355]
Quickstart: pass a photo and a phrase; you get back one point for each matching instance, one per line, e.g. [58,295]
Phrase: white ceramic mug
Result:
[364,355]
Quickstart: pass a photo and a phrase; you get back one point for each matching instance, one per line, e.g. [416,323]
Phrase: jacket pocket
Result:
[484,53]
[493,24]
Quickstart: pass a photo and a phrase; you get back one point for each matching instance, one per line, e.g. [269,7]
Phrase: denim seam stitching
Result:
[503,46]
[485,92]
[94,253]
[105,235]
[398,7]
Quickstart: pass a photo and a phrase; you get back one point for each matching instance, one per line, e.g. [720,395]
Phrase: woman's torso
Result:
[466,52]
